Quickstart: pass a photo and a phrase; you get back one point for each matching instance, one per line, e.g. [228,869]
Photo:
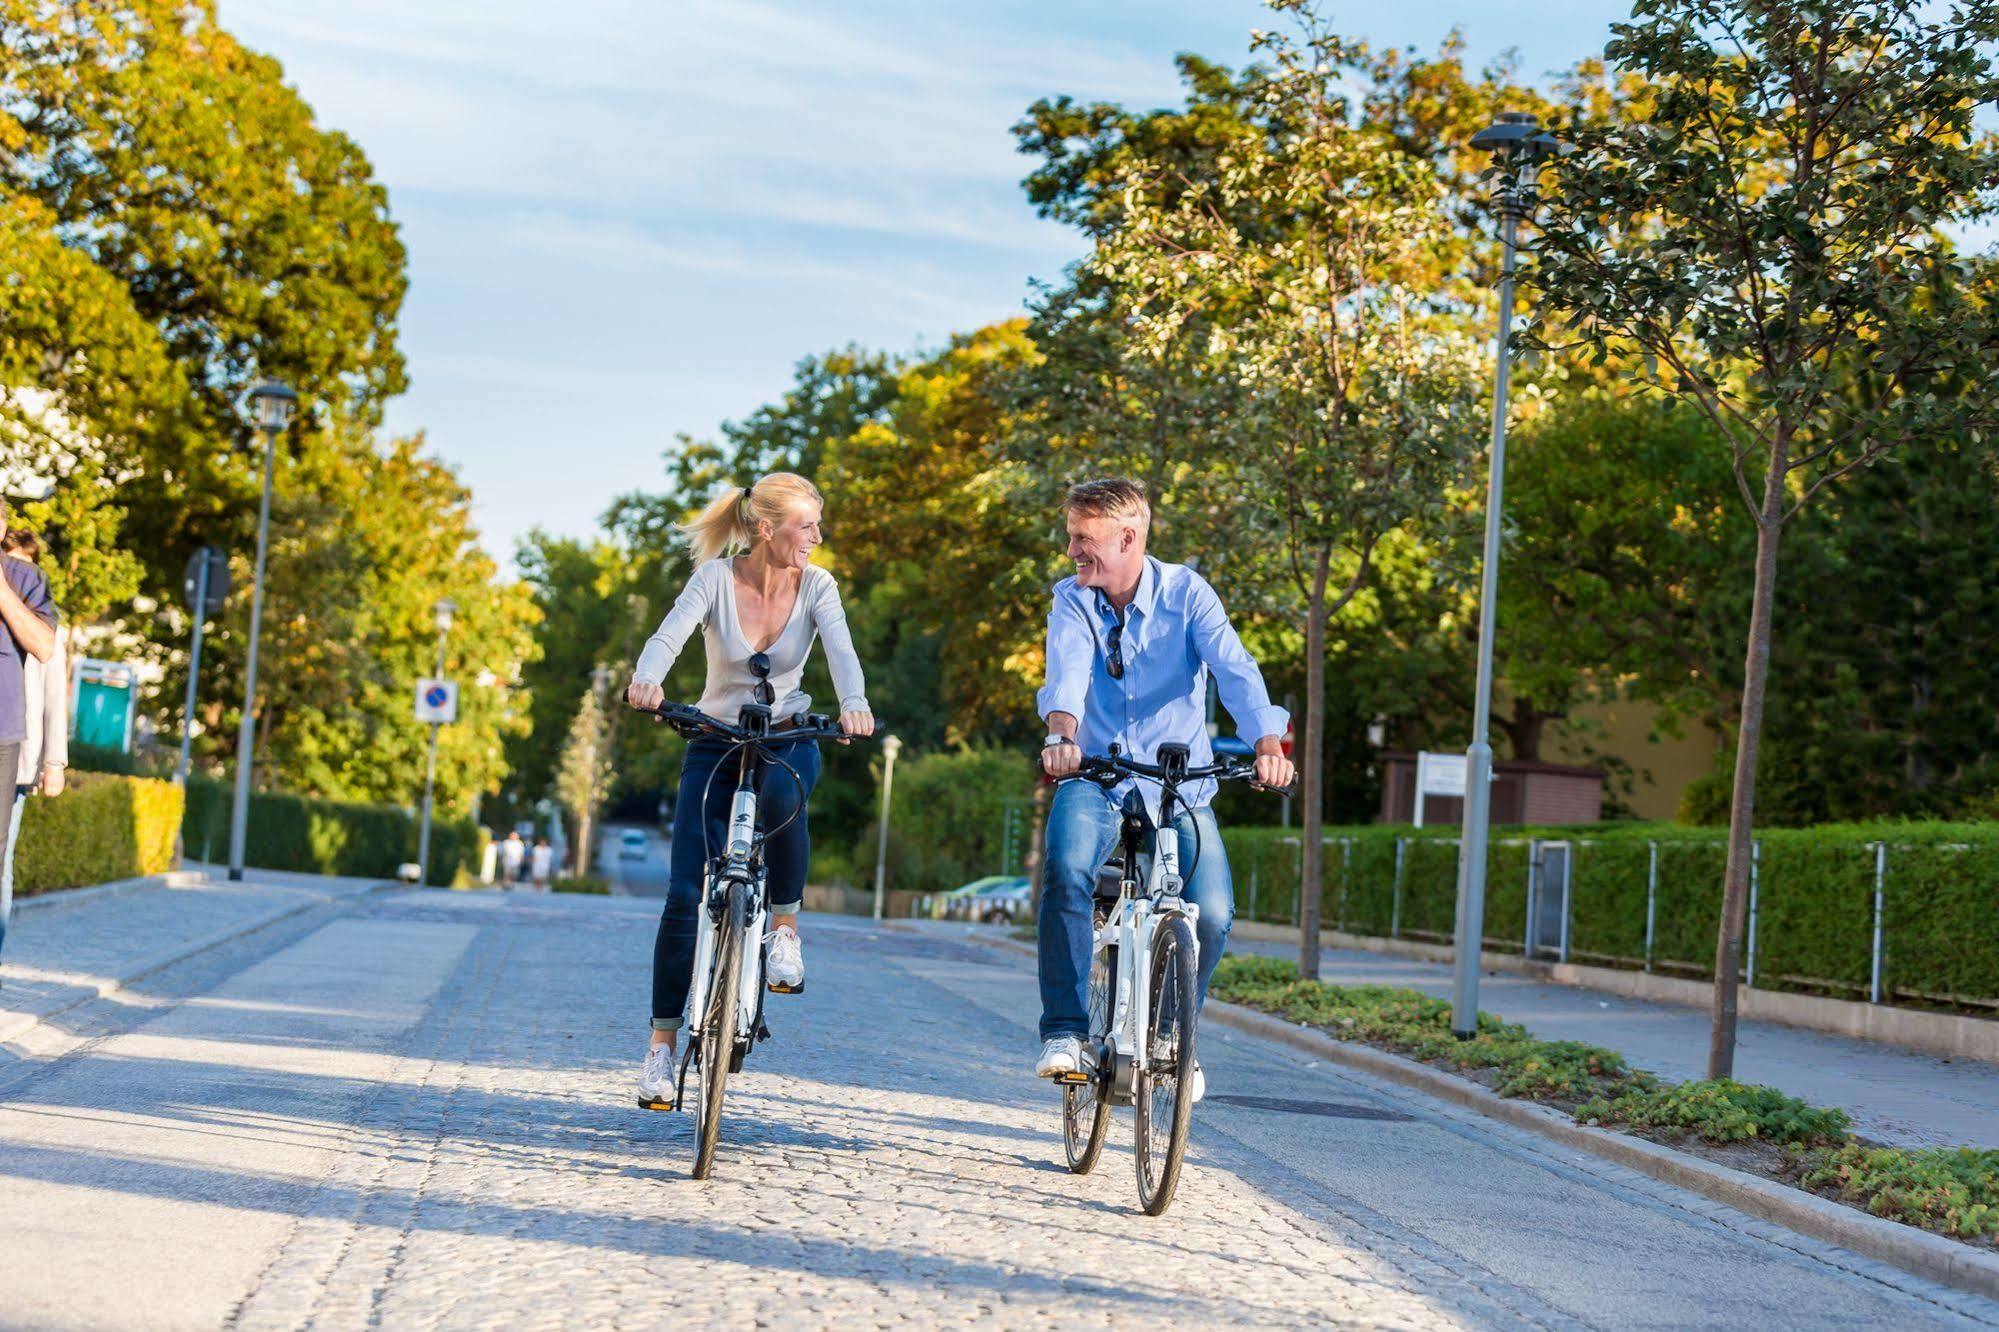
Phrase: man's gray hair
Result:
[1111,497]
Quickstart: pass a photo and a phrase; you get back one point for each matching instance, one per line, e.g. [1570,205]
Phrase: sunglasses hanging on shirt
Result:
[1114,648]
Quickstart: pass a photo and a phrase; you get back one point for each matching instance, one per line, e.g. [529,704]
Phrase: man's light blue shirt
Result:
[1175,634]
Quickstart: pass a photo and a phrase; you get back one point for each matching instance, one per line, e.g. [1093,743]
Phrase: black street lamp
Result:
[1518,146]
[272,405]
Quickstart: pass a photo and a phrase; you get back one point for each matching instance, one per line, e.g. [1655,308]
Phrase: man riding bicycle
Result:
[1131,642]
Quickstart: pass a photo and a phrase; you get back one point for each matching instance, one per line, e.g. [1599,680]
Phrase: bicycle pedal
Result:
[655,1103]
[1075,1079]
[776,987]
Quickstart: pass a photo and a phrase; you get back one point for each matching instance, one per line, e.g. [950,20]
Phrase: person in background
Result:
[27,633]
[540,860]
[512,851]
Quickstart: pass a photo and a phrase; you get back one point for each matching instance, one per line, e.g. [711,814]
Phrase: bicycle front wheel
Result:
[717,1036]
[1164,1093]
[1086,1107]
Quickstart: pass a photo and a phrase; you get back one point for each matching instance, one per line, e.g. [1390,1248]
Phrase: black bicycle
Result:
[724,1014]
[1143,988]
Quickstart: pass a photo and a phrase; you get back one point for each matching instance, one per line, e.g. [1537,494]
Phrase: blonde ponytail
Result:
[718,529]
[732,519]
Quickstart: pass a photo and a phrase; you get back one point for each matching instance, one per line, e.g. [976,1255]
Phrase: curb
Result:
[57,898]
[104,987]
[1945,1261]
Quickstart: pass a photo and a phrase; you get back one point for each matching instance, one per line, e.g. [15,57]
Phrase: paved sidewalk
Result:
[1894,1095]
[418,1114]
[67,948]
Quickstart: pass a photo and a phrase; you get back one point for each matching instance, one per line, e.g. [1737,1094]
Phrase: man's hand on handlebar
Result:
[1060,761]
[857,724]
[645,697]
[1273,771]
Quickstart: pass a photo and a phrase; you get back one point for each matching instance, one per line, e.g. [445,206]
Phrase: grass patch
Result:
[1954,1191]
[588,884]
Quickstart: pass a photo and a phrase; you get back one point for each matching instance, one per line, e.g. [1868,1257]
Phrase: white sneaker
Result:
[1200,1084]
[784,958]
[656,1078]
[1060,1056]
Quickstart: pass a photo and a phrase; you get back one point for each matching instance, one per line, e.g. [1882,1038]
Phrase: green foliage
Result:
[1954,1190]
[946,818]
[1410,1022]
[1603,492]
[289,832]
[1815,897]
[102,827]
[1720,1111]
[589,883]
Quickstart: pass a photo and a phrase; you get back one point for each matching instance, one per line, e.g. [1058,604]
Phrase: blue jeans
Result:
[1082,830]
[780,801]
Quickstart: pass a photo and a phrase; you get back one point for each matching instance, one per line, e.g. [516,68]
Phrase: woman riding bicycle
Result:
[771,600]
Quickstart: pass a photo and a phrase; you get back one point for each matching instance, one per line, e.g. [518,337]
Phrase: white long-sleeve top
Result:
[46,684]
[708,602]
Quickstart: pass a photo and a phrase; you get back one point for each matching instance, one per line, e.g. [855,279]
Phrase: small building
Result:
[1522,792]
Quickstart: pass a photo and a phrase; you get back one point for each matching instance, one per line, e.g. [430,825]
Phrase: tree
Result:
[1763,219]
[584,774]
[144,149]
[1306,261]
[932,465]
[1622,536]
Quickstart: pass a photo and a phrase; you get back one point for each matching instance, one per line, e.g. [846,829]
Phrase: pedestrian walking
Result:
[512,852]
[540,862]
[27,632]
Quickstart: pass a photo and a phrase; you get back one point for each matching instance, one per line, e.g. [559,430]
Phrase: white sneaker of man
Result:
[1060,1056]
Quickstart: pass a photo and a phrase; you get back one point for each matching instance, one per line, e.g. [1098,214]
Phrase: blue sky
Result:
[629,218]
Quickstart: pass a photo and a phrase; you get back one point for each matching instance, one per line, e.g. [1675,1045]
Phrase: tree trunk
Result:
[1311,801]
[582,857]
[1742,805]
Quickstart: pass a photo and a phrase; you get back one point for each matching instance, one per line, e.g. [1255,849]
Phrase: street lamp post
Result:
[1518,145]
[891,746]
[273,403]
[445,609]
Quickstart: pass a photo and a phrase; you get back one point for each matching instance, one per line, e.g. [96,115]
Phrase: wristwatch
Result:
[1055,740]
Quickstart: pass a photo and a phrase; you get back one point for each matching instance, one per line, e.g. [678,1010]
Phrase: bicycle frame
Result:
[739,866]
[1133,922]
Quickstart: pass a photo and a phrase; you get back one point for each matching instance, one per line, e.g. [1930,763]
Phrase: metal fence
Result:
[1650,905]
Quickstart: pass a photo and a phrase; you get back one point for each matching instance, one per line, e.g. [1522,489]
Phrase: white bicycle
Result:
[724,1014]
[1143,988]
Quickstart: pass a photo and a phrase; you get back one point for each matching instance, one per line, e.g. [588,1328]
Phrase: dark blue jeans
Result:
[1083,827]
[786,855]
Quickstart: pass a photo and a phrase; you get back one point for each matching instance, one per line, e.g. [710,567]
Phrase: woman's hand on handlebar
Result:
[860,724]
[645,697]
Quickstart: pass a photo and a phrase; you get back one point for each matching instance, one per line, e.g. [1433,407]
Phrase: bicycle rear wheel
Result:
[1164,1093]
[1086,1107]
[718,1032]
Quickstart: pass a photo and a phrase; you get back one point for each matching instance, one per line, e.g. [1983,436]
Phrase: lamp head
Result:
[1516,139]
[273,403]
[445,609]
[891,746]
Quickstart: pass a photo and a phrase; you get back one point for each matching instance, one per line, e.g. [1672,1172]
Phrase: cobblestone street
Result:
[415,1110]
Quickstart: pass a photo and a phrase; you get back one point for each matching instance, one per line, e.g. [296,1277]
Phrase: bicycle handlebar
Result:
[691,722]
[1108,769]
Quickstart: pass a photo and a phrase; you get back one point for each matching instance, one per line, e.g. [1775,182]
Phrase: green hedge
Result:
[947,817]
[291,832]
[103,827]
[1814,898]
